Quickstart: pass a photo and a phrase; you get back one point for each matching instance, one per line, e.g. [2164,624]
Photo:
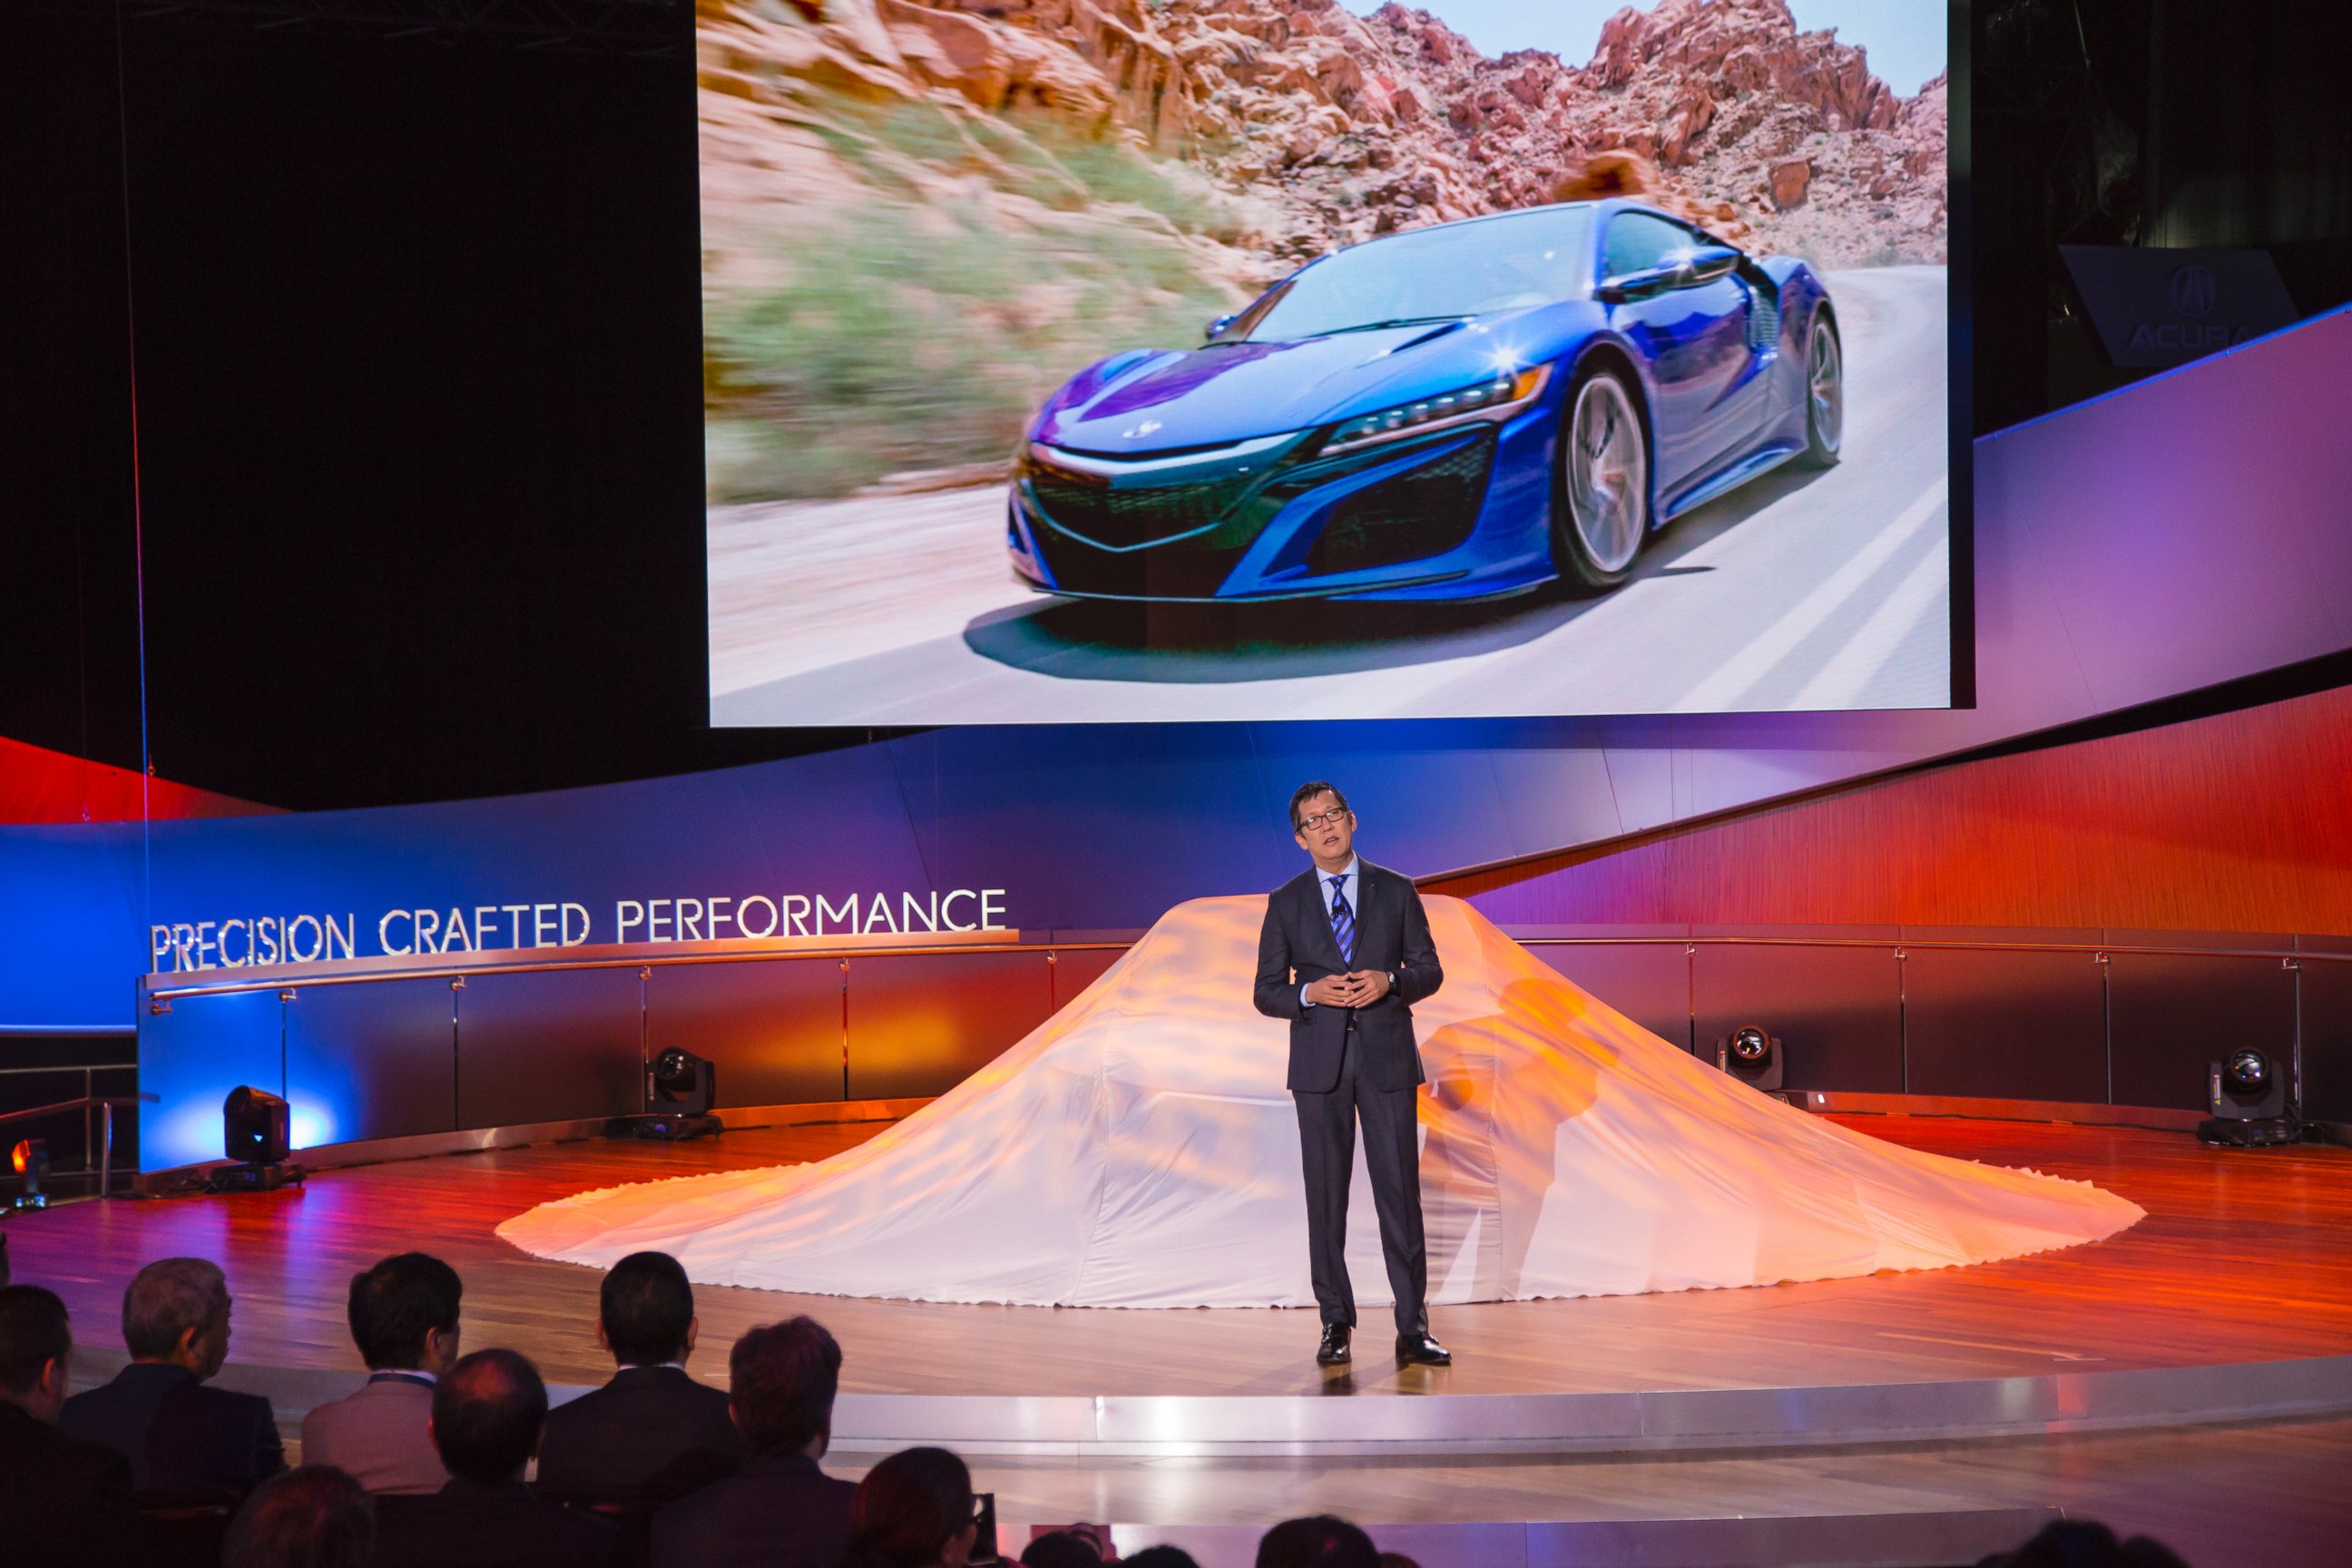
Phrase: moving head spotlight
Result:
[2246,1091]
[1753,1057]
[680,1090]
[256,1133]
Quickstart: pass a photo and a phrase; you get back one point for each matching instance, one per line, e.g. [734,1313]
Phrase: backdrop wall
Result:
[2180,533]
[2239,821]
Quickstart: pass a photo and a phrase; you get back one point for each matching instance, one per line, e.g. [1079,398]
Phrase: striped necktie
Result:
[1343,920]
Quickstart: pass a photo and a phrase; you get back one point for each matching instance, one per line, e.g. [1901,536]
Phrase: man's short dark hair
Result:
[34,1332]
[312,1517]
[397,1303]
[782,1378]
[487,1415]
[1060,1550]
[1308,791]
[1158,1557]
[2087,1543]
[645,1305]
[1322,1542]
[167,1299]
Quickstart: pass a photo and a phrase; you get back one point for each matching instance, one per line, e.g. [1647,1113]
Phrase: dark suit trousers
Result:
[1327,1143]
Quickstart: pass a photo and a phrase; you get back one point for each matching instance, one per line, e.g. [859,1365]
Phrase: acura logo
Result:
[1146,428]
[2192,291]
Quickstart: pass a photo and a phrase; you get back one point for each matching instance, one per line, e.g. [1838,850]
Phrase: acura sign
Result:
[2158,307]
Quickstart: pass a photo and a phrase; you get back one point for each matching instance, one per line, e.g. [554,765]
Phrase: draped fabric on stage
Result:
[1137,1150]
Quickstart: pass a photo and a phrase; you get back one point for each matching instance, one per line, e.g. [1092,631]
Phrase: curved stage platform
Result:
[2230,1303]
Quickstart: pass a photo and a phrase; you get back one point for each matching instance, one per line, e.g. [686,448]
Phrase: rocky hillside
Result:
[1347,126]
[1057,177]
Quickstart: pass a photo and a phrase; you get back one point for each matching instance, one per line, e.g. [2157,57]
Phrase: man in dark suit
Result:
[779,1510]
[404,1318]
[488,1414]
[1344,954]
[181,1438]
[653,1434]
[63,1502]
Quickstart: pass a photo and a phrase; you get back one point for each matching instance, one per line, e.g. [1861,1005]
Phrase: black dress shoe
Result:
[1420,1349]
[1333,1351]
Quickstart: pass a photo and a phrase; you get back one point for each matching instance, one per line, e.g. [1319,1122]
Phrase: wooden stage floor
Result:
[2245,1256]
[2246,1260]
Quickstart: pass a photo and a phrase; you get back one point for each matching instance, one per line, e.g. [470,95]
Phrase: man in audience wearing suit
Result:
[779,1510]
[1344,954]
[404,1318]
[63,1502]
[181,1439]
[488,1414]
[652,1434]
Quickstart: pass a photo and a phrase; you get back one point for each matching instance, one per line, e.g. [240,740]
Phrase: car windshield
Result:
[1435,274]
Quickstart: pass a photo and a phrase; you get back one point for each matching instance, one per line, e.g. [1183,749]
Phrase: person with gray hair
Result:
[181,1438]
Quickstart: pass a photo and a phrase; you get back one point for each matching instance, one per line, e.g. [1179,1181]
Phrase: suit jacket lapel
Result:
[1372,916]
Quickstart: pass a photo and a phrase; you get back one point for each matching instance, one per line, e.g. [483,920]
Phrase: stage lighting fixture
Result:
[1752,1056]
[255,1134]
[680,1089]
[2246,1091]
[30,1160]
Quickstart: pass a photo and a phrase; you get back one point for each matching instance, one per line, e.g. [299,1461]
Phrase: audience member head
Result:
[313,1516]
[487,1417]
[1060,1550]
[177,1311]
[781,1381]
[1321,1541]
[914,1510]
[1397,1559]
[404,1314]
[644,1313]
[1158,1557]
[35,1350]
[2087,1543]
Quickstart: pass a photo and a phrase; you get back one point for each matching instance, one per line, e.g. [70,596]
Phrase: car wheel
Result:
[1824,397]
[1600,510]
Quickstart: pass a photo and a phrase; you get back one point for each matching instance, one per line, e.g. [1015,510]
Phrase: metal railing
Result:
[158,991]
[334,972]
[105,1105]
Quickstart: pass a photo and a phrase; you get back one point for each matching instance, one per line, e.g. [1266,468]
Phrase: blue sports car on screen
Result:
[1468,409]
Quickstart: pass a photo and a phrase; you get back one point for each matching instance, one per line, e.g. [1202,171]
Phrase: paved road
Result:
[1802,590]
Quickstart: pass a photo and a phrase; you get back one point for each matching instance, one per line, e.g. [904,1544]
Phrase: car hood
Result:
[1214,395]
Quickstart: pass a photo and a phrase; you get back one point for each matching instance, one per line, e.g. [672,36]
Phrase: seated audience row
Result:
[424,1465]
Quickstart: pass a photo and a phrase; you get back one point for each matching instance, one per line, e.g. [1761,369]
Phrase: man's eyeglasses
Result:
[1308,824]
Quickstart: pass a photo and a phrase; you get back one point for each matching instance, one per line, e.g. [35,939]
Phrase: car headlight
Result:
[1489,399]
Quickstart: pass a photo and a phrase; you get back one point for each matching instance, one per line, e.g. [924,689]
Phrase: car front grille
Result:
[1127,518]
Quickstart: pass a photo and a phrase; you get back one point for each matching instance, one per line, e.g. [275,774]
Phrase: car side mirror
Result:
[1217,328]
[1688,269]
[1706,264]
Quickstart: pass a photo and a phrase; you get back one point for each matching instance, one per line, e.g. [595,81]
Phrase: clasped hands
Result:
[1358,988]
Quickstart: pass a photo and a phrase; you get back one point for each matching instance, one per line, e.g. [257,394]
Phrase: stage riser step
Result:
[1925,1539]
[1679,1420]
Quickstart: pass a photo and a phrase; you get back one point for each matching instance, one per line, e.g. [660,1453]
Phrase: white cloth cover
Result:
[1137,1150]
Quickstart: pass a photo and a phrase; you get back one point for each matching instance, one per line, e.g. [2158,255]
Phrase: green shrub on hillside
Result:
[922,336]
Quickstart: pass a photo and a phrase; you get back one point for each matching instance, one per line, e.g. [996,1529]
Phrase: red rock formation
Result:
[1333,127]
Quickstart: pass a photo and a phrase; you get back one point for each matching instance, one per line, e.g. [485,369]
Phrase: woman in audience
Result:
[914,1510]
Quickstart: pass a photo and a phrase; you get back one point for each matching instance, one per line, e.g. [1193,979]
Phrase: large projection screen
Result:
[1092,361]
